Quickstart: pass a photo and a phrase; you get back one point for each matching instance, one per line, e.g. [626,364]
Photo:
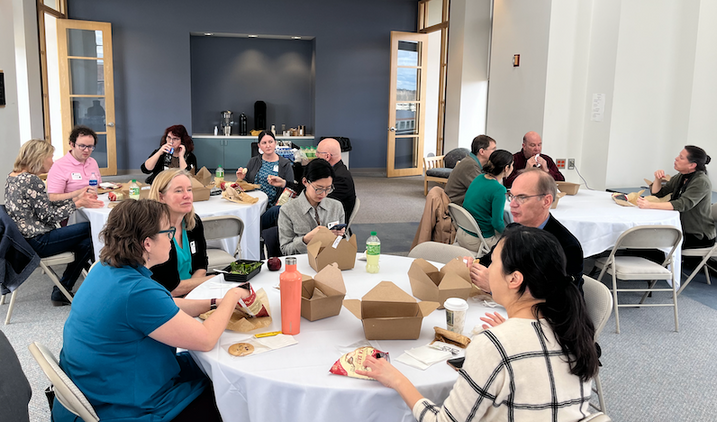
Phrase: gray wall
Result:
[152,62]
[232,73]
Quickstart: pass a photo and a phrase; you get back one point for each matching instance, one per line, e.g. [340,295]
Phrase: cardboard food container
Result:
[325,248]
[630,199]
[428,283]
[568,188]
[557,198]
[204,176]
[389,313]
[323,294]
[199,191]
[143,189]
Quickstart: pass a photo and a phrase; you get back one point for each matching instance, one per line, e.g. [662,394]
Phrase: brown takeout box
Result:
[427,283]
[389,313]
[200,192]
[568,187]
[322,295]
[143,189]
[204,176]
[557,198]
[326,248]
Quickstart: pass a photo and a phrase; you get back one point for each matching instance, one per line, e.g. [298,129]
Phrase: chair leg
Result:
[10,308]
[598,390]
[645,295]
[694,273]
[2,300]
[614,300]
[425,187]
[674,301]
[707,275]
[55,279]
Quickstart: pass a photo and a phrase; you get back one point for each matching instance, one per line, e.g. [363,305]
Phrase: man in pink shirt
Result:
[74,170]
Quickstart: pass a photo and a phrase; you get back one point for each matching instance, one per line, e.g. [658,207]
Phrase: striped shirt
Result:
[513,372]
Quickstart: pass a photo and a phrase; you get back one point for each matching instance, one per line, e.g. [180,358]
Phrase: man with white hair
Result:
[531,156]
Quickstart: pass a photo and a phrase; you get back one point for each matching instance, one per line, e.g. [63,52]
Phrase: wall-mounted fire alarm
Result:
[516,60]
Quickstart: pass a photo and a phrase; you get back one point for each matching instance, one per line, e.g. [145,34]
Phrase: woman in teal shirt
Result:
[120,339]
[485,200]
[187,264]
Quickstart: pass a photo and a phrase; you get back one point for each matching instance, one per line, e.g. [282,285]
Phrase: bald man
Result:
[329,149]
[531,156]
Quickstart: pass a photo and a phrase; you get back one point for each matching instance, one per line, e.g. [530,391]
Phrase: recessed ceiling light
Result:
[253,36]
[295,38]
[208,34]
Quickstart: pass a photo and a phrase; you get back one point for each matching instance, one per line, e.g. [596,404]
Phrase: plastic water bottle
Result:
[93,181]
[219,174]
[168,158]
[134,190]
[373,250]
[290,286]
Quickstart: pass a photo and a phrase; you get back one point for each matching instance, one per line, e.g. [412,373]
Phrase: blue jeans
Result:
[73,238]
[270,217]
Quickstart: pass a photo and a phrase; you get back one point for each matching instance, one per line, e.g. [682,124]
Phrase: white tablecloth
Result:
[215,206]
[597,221]
[294,383]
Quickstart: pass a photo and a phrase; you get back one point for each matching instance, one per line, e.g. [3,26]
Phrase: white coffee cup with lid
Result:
[456,309]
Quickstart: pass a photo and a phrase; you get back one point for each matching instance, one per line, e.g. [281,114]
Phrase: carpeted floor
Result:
[650,372]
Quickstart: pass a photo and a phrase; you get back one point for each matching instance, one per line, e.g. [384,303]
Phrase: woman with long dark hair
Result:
[537,364]
[485,200]
[691,191]
[175,151]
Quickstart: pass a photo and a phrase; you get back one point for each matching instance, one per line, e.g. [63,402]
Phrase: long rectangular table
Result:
[215,206]
[294,383]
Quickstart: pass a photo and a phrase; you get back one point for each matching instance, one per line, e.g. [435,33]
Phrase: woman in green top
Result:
[485,200]
[691,195]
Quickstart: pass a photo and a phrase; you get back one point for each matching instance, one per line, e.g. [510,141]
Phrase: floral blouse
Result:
[27,203]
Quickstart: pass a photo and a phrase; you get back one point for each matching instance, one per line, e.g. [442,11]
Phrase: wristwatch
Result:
[213,304]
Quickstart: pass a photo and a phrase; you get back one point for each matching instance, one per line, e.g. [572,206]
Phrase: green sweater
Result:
[485,200]
[694,204]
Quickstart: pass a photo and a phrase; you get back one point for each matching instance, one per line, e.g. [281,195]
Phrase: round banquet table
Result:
[294,383]
[215,206]
[597,221]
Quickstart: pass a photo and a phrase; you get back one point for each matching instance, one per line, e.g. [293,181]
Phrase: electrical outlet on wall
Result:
[571,164]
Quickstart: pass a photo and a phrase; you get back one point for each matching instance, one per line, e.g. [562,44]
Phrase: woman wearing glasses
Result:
[270,171]
[36,216]
[301,217]
[175,151]
[187,264]
[485,200]
[74,170]
[120,340]
[534,366]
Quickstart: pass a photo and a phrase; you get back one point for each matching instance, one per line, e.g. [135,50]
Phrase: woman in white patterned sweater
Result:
[537,364]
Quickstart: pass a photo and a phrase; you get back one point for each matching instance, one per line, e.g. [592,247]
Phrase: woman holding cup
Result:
[175,151]
[516,367]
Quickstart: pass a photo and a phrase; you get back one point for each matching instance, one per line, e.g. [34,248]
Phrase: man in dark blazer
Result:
[532,194]
[344,190]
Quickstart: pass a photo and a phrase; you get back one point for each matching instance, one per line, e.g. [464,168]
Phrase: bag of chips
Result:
[351,361]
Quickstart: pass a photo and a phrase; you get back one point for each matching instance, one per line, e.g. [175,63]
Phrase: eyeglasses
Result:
[85,147]
[520,199]
[173,139]
[170,232]
[320,154]
[323,190]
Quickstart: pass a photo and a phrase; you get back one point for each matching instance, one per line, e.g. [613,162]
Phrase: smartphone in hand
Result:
[337,227]
[456,363]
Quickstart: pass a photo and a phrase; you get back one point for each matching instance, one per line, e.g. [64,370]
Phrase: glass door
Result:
[406,104]
[86,85]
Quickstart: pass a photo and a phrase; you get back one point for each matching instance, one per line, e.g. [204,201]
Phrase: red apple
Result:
[274,264]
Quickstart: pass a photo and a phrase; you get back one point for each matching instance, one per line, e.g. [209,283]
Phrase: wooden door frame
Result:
[391,134]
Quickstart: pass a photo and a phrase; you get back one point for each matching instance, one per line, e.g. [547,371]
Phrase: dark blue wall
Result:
[152,67]
[232,73]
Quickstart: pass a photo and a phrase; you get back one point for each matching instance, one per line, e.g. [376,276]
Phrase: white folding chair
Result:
[222,227]
[598,300]
[704,253]
[463,220]
[46,266]
[66,391]
[438,252]
[637,268]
